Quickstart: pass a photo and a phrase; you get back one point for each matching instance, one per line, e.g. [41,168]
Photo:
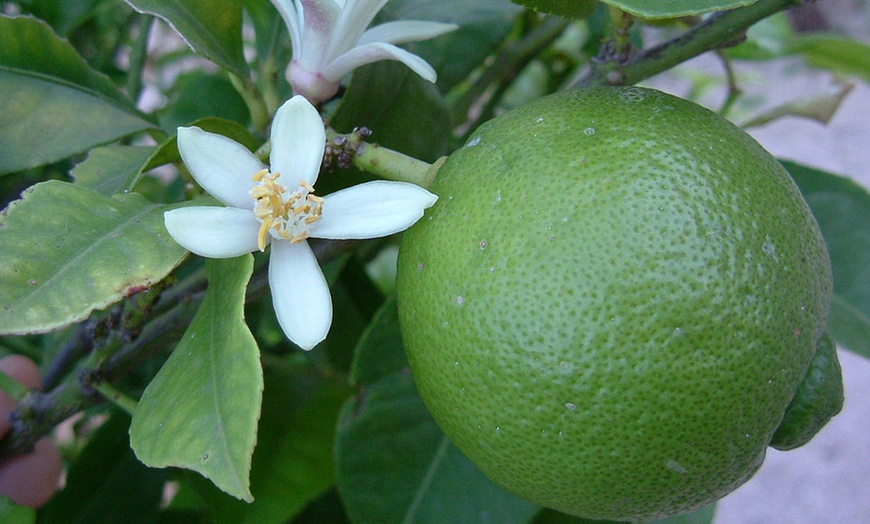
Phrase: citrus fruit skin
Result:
[613,302]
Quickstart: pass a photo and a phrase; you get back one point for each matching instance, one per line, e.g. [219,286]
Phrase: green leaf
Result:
[68,250]
[835,53]
[200,412]
[198,95]
[394,463]
[571,9]
[842,208]
[43,121]
[483,25]
[212,28]
[12,513]
[699,516]
[293,463]
[29,46]
[52,104]
[106,483]
[381,96]
[655,9]
[113,169]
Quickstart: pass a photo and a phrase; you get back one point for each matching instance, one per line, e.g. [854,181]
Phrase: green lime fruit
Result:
[614,302]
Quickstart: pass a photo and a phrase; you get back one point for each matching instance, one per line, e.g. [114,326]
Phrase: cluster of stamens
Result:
[286,215]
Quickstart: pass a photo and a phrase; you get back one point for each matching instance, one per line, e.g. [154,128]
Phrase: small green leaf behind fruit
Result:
[819,397]
[842,208]
[201,410]
[394,463]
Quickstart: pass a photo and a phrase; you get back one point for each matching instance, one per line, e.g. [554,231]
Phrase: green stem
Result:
[380,161]
[260,116]
[138,56]
[112,394]
[507,65]
[723,29]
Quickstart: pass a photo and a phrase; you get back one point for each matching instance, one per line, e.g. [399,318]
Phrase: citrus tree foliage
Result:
[193,405]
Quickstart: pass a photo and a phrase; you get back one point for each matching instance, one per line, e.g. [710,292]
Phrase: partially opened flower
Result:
[330,39]
[276,205]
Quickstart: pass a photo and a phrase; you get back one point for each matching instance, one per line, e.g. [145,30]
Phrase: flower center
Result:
[284,214]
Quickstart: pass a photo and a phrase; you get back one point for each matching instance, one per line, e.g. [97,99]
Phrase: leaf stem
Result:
[719,30]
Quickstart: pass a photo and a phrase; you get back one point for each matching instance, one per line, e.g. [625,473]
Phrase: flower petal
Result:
[292,19]
[300,294]
[298,141]
[374,52]
[222,166]
[355,18]
[372,210]
[405,31]
[320,21]
[213,232]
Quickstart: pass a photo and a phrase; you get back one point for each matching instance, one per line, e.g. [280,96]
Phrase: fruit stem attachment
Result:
[345,150]
[719,30]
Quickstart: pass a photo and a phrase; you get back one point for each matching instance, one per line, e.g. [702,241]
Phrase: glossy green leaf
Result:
[381,96]
[11,513]
[105,482]
[842,208]
[112,169]
[655,9]
[293,463]
[200,412]
[212,28]
[43,121]
[52,104]
[29,46]
[394,463]
[66,250]
[571,9]
[483,25]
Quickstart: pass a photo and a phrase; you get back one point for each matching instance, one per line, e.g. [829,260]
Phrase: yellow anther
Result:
[282,213]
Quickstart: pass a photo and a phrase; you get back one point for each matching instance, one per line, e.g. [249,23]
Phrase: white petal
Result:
[288,11]
[213,232]
[222,166]
[372,210]
[320,21]
[405,31]
[355,18]
[366,54]
[300,294]
[298,141]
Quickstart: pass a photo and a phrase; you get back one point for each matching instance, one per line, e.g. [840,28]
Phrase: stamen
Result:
[283,214]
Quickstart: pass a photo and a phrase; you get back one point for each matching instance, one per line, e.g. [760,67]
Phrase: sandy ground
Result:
[828,480]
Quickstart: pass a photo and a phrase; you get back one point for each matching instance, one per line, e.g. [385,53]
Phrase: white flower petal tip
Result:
[300,294]
[219,164]
[299,130]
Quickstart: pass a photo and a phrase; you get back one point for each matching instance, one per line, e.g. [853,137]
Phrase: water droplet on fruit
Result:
[589,131]
[474,141]
[571,406]
[421,266]
[483,244]
[540,119]
[460,300]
